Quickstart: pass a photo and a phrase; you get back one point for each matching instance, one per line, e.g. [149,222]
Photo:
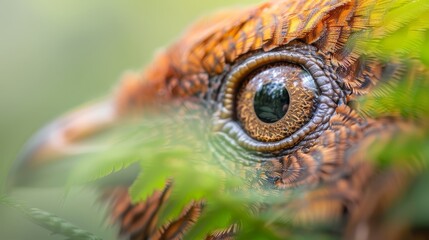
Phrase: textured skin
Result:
[327,153]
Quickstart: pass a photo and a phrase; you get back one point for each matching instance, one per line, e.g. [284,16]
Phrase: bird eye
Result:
[275,101]
[271,101]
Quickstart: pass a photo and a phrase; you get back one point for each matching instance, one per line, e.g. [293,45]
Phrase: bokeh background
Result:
[56,55]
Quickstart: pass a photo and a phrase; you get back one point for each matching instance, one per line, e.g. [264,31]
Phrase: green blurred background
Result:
[56,55]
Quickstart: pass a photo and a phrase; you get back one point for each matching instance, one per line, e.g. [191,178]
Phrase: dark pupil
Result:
[271,102]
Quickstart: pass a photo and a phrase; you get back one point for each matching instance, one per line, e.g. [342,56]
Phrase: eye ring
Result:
[300,55]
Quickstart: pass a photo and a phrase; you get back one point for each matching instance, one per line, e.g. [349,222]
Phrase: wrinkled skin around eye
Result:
[313,93]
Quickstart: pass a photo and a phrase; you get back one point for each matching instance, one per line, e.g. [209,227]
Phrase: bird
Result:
[278,87]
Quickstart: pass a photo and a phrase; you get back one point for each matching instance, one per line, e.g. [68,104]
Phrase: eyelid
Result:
[302,55]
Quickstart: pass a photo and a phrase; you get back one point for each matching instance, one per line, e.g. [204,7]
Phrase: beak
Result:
[44,159]
[64,136]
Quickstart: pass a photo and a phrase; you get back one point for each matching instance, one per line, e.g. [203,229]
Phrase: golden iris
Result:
[275,101]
